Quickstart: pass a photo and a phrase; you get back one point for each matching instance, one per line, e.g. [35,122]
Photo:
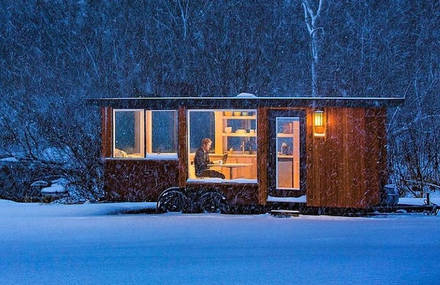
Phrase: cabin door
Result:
[286,153]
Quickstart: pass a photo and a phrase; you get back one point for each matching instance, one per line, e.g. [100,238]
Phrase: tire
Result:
[172,200]
[213,202]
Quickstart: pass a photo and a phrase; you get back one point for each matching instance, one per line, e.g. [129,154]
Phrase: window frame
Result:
[149,139]
[272,167]
[298,137]
[147,136]
[114,133]
[188,146]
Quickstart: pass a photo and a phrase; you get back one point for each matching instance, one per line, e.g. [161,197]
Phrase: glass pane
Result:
[129,134]
[241,131]
[288,152]
[202,125]
[164,132]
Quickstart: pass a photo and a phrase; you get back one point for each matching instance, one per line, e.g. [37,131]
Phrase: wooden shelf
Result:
[244,122]
[281,135]
[240,117]
[239,135]
[284,156]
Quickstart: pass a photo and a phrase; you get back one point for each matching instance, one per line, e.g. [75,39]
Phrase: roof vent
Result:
[246,95]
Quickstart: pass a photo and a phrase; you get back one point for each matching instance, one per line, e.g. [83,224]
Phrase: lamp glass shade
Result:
[318,119]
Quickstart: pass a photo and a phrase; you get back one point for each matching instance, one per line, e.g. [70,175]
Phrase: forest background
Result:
[55,54]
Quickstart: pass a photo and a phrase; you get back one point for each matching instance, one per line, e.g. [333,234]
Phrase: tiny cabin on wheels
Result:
[325,151]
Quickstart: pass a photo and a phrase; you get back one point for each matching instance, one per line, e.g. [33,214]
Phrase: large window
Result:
[233,150]
[145,134]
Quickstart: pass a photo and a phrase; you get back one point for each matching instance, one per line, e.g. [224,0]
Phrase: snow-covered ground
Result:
[86,244]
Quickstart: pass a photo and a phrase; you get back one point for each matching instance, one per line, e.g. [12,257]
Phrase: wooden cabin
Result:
[326,151]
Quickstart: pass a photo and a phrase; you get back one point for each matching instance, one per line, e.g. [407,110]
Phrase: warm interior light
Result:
[318,118]
[318,123]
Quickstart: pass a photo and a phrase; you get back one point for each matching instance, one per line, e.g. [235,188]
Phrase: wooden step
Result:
[280,212]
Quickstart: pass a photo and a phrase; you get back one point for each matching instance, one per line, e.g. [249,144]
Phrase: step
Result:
[293,213]
[300,199]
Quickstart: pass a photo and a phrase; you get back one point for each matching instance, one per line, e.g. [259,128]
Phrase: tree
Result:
[316,33]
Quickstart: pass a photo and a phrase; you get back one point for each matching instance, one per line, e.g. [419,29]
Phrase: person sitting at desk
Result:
[201,161]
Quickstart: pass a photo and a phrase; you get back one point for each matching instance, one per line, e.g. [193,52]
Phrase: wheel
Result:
[172,200]
[213,202]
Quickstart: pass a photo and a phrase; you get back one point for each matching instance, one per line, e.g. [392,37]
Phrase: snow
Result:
[10,209]
[219,180]
[150,156]
[57,186]
[300,199]
[62,155]
[162,156]
[39,183]
[246,95]
[9,159]
[418,201]
[54,188]
[86,244]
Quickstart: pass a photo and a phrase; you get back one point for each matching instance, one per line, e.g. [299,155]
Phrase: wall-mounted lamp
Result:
[318,123]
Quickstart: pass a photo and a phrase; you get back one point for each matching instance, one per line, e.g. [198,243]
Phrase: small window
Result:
[128,133]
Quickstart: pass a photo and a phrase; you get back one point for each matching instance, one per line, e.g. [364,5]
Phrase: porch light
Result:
[318,123]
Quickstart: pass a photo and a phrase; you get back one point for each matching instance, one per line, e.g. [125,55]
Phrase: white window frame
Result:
[114,132]
[149,138]
[146,138]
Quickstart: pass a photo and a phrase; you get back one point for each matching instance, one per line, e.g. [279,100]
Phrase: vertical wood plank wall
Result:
[347,168]
[262,153]
[182,150]
[106,131]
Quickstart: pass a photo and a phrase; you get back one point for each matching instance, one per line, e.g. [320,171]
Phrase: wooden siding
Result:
[138,180]
[347,168]
[182,150]
[262,154]
[106,131]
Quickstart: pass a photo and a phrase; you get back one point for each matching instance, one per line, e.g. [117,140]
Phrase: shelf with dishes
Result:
[236,130]
[228,132]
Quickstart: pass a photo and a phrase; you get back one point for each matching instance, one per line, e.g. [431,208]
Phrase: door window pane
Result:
[288,153]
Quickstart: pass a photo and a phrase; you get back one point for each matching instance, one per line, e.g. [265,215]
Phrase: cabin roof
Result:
[244,102]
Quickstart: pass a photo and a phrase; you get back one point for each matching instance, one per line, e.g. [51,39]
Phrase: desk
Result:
[230,166]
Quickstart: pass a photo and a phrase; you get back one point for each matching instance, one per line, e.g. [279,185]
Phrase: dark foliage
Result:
[54,54]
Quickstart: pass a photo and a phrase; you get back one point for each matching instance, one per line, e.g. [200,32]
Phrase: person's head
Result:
[206,144]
